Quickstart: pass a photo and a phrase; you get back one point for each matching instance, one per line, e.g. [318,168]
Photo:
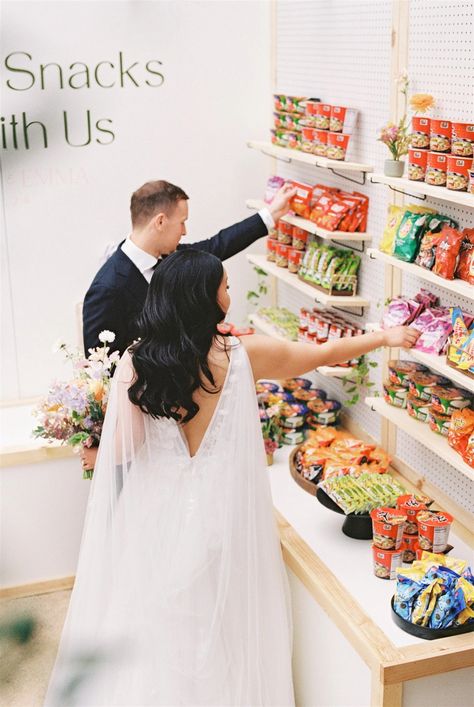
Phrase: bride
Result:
[180,596]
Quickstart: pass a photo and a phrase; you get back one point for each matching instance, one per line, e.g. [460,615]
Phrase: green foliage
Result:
[253,296]
[357,381]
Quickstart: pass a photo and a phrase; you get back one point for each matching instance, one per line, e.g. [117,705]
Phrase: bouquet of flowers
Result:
[73,411]
[271,431]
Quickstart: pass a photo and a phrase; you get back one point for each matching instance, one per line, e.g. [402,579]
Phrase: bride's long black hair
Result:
[177,328]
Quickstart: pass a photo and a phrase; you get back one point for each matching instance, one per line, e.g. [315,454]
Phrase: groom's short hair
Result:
[152,198]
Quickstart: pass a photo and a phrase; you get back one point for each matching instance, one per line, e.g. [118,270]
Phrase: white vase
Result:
[393,168]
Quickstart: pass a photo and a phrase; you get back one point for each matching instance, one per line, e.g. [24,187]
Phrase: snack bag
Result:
[465,268]
[425,602]
[408,235]
[427,255]
[466,616]
[406,592]
[300,203]
[468,455]
[447,252]
[395,215]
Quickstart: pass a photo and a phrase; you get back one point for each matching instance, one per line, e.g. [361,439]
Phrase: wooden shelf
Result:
[439,365]
[311,227]
[421,433]
[292,280]
[287,155]
[408,186]
[267,328]
[460,287]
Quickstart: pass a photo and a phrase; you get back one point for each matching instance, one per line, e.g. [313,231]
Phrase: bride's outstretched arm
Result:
[271,358]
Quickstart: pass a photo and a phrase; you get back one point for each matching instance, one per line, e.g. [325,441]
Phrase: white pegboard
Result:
[340,51]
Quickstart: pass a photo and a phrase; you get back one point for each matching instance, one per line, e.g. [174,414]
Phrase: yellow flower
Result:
[97,389]
[421,102]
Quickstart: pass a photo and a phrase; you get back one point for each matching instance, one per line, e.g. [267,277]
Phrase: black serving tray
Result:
[357,526]
[428,633]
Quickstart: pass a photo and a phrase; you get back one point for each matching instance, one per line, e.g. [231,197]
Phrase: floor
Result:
[25,670]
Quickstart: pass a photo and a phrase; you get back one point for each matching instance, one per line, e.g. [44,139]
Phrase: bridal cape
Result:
[181,594]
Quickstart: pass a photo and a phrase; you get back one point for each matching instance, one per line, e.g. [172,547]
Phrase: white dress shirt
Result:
[146,262]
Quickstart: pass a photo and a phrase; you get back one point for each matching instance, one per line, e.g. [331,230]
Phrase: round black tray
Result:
[428,633]
[357,526]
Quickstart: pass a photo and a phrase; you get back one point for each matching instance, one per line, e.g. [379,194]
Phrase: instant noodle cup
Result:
[395,395]
[409,547]
[304,395]
[438,423]
[324,412]
[292,436]
[387,527]
[342,119]
[337,146]
[322,116]
[311,110]
[282,255]
[471,181]
[292,415]
[436,169]
[386,562]
[421,385]
[320,146]
[418,408]
[307,139]
[400,371]
[417,162]
[462,139]
[264,386]
[271,249]
[410,506]
[299,238]
[433,530]
[457,176]
[294,259]
[285,233]
[448,400]
[440,135]
[421,129]
[279,101]
[292,384]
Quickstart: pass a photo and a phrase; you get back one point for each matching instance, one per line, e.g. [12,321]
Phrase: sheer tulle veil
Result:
[180,595]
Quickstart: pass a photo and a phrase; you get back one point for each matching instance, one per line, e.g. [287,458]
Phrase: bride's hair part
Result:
[177,328]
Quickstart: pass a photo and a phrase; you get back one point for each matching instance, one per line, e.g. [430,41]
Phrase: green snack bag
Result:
[408,236]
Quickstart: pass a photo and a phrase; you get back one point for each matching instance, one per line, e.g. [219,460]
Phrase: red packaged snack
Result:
[282,255]
[271,249]
[333,214]
[342,119]
[411,506]
[440,135]
[337,146]
[301,202]
[320,145]
[462,139]
[294,259]
[299,238]
[386,562]
[409,547]
[285,233]
[323,116]
[321,204]
[420,137]
[307,141]
[461,429]
[417,163]
[447,252]
[465,268]
[387,526]
[457,176]
[436,169]
[433,530]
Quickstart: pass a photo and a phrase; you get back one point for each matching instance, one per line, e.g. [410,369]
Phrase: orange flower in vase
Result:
[421,102]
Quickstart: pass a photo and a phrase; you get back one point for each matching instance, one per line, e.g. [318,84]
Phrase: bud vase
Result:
[269,459]
[393,168]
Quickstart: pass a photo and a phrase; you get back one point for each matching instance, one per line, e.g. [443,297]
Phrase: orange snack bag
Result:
[460,429]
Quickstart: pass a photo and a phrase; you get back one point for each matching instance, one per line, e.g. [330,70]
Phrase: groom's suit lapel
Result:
[131,277]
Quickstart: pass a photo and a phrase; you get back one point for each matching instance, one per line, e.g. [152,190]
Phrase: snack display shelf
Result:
[409,186]
[267,328]
[439,365]
[288,155]
[311,227]
[421,433]
[292,280]
[460,287]
[343,561]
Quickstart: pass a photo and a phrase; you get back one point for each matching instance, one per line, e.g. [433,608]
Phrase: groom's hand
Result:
[281,203]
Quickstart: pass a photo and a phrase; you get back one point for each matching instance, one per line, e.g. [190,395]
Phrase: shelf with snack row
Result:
[422,190]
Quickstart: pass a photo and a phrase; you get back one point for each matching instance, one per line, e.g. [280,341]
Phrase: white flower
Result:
[58,345]
[114,357]
[106,337]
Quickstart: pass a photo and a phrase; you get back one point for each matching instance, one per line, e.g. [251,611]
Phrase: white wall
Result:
[64,204]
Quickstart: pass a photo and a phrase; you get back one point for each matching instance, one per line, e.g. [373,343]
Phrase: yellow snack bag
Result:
[426,602]
[452,563]
[394,218]
[466,614]
[412,573]
[467,590]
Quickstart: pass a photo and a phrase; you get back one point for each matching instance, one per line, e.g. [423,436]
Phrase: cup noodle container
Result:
[311,111]
[342,119]
[457,176]
[409,547]
[337,146]
[322,118]
[440,135]
[299,238]
[436,169]
[307,140]
[387,527]
[294,259]
[421,129]
[386,562]
[462,141]
[433,530]
[410,506]
[285,233]
[320,146]
[271,249]
[417,162]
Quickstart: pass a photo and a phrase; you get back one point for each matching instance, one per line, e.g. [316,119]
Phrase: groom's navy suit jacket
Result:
[117,294]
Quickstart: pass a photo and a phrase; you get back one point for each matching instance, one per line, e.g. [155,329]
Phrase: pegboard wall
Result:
[341,51]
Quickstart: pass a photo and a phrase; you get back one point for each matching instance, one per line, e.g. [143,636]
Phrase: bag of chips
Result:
[447,252]
[461,429]
[408,236]
[395,215]
[465,268]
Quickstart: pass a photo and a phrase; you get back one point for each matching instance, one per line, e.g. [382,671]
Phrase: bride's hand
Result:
[88,456]
[401,336]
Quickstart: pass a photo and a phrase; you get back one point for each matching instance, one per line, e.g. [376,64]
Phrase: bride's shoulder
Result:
[255,345]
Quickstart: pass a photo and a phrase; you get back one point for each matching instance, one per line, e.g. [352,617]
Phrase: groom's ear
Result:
[159,221]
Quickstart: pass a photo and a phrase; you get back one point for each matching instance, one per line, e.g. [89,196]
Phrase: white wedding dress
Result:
[180,595]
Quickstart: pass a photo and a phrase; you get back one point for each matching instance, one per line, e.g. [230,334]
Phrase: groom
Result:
[159,211]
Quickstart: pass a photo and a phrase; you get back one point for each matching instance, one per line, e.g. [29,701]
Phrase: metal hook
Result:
[281,159]
[349,179]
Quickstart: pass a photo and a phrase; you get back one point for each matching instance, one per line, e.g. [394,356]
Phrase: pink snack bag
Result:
[273,185]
